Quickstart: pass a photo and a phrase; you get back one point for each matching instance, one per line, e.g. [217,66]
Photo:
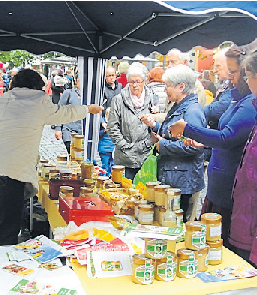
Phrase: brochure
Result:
[18,269]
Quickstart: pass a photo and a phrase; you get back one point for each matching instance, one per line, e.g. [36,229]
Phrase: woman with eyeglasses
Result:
[227,142]
[243,231]
[179,166]
[125,128]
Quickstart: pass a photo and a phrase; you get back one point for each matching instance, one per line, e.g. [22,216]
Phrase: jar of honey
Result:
[187,264]
[54,174]
[160,195]
[86,192]
[118,171]
[142,270]
[203,258]
[66,191]
[90,183]
[155,248]
[166,268]
[78,154]
[215,252]
[65,174]
[179,214]
[137,204]
[195,235]
[213,224]
[100,181]
[145,214]
[79,141]
[72,136]
[162,210]
[87,170]
[150,196]
[176,192]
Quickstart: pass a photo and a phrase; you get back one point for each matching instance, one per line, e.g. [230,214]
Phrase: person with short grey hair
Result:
[125,128]
[178,166]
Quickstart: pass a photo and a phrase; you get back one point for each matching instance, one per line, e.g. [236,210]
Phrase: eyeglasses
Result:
[135,82]
[111,76]
[232,73]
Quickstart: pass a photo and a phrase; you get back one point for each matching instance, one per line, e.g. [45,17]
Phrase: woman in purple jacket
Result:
[227,142]
[243,232]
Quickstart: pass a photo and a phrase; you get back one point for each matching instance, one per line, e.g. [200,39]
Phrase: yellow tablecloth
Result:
[125,286]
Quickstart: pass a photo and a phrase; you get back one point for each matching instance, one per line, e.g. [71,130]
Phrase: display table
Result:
[124,285]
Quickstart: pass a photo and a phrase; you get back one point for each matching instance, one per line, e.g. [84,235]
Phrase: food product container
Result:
[87,169]
[162,210]
[54,187]
[187,264]
[166,268]
[195,235]
[118,171]
[213,224]
[54,174]
[79,141]
[174,193]
[203,258]
[179,214]
[160,195]
[215,252]
[142,270]
[79,154]
[150,196]
[145,213]
[155,248]
[66,191]
[65,174]
[86,192]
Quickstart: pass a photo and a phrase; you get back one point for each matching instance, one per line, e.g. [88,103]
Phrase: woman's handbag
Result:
[148,171]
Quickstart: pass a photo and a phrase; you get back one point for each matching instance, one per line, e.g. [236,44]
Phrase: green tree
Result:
[16,58]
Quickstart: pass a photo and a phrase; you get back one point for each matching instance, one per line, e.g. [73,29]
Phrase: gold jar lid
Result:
[86,190]
[179,212]
[152,184]
[43,161]
[215,244]
[89,181]
[185,254]
[66,188]
[87,164]
[62,158]
[174,191]
[79,136]
[211,218]
[195,226]
[118,167]
[146,207]
[162,209]
[54,171]
[141,259]
[205,250]
[161,188]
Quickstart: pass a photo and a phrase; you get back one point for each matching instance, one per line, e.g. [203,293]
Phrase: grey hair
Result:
[221,52]
[123,67]
[137,69]
[181,74]
[182,55]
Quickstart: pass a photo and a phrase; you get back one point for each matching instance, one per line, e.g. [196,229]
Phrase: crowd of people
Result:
[166,107]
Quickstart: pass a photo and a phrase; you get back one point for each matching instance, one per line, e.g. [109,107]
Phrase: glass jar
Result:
[213,224]
[150,196]
[187,264]
[142,270]
[179,214]
[86,192]
[72,137]
[46,169]
[66,191]
[79,141]
[160,195]
[62,161]
[54,174]
[195,235]
[162,210]
[176,198]
[87,170]
[203,258]
[166,268]
[169,218]
[100,181]
[215,252]
[155,248]
[90,183]
[79,154]
[145,214]
[137,204]
[118,171]
[65,174]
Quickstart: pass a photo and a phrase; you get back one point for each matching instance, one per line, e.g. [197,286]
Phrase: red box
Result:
[84,209]
[54,187]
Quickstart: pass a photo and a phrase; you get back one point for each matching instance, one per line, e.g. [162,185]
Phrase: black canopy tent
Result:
[97,30]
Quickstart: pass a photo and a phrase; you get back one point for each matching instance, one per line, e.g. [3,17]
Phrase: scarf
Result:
[137,102]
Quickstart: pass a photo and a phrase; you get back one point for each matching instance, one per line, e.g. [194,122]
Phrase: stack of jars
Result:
[77,147]
[157,263]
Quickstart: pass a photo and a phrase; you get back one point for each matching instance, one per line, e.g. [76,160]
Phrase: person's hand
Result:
[177,128]
[58,135]
[155,110]
[155,137]
[148,120]
[193,143]
[95,108]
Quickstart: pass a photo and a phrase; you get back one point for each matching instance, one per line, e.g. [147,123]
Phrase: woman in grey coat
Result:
[131,137]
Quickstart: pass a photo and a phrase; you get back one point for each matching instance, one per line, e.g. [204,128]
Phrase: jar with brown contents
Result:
[90,183]
[100,181]
[195,235]
[87,170]
[145,214]
[66,191]
[155,248]
[203,258]
[86,192]
[118,171]
[142,270]
[150,196]
[160,195]
[213,223]
[179,214]
[187,264]
[166,268]
[79,141]
[215,252]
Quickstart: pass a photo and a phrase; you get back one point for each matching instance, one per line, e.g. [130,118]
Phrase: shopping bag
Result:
[148,171]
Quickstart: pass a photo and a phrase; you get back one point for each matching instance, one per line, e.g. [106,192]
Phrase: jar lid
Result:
[102,178]
[64,188]
[152,184]
[141,259]
[195,225]
[78,149]
[174,191]
[186,254]
[86,189]
[210,218]
[62,158]
[73,134]
[162,209]
[215,244]
[43,161]
[89,181]
[84,163]
[79,136]
[118,167]
[145,207]
[161,187]
[179,212]
[65,171]
[204,250]
[54,171]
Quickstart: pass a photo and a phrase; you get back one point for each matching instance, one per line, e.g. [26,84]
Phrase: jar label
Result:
[145,217]
[176,202]
[167,271]
[79,155]
[215,231]
[199,239]
[144,275]
[156,251]
[188,269]
[215,255]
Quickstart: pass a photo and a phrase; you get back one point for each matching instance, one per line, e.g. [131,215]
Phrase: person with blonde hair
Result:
[122,69]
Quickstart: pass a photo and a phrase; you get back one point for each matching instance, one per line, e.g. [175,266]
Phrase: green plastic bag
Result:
[148,171]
